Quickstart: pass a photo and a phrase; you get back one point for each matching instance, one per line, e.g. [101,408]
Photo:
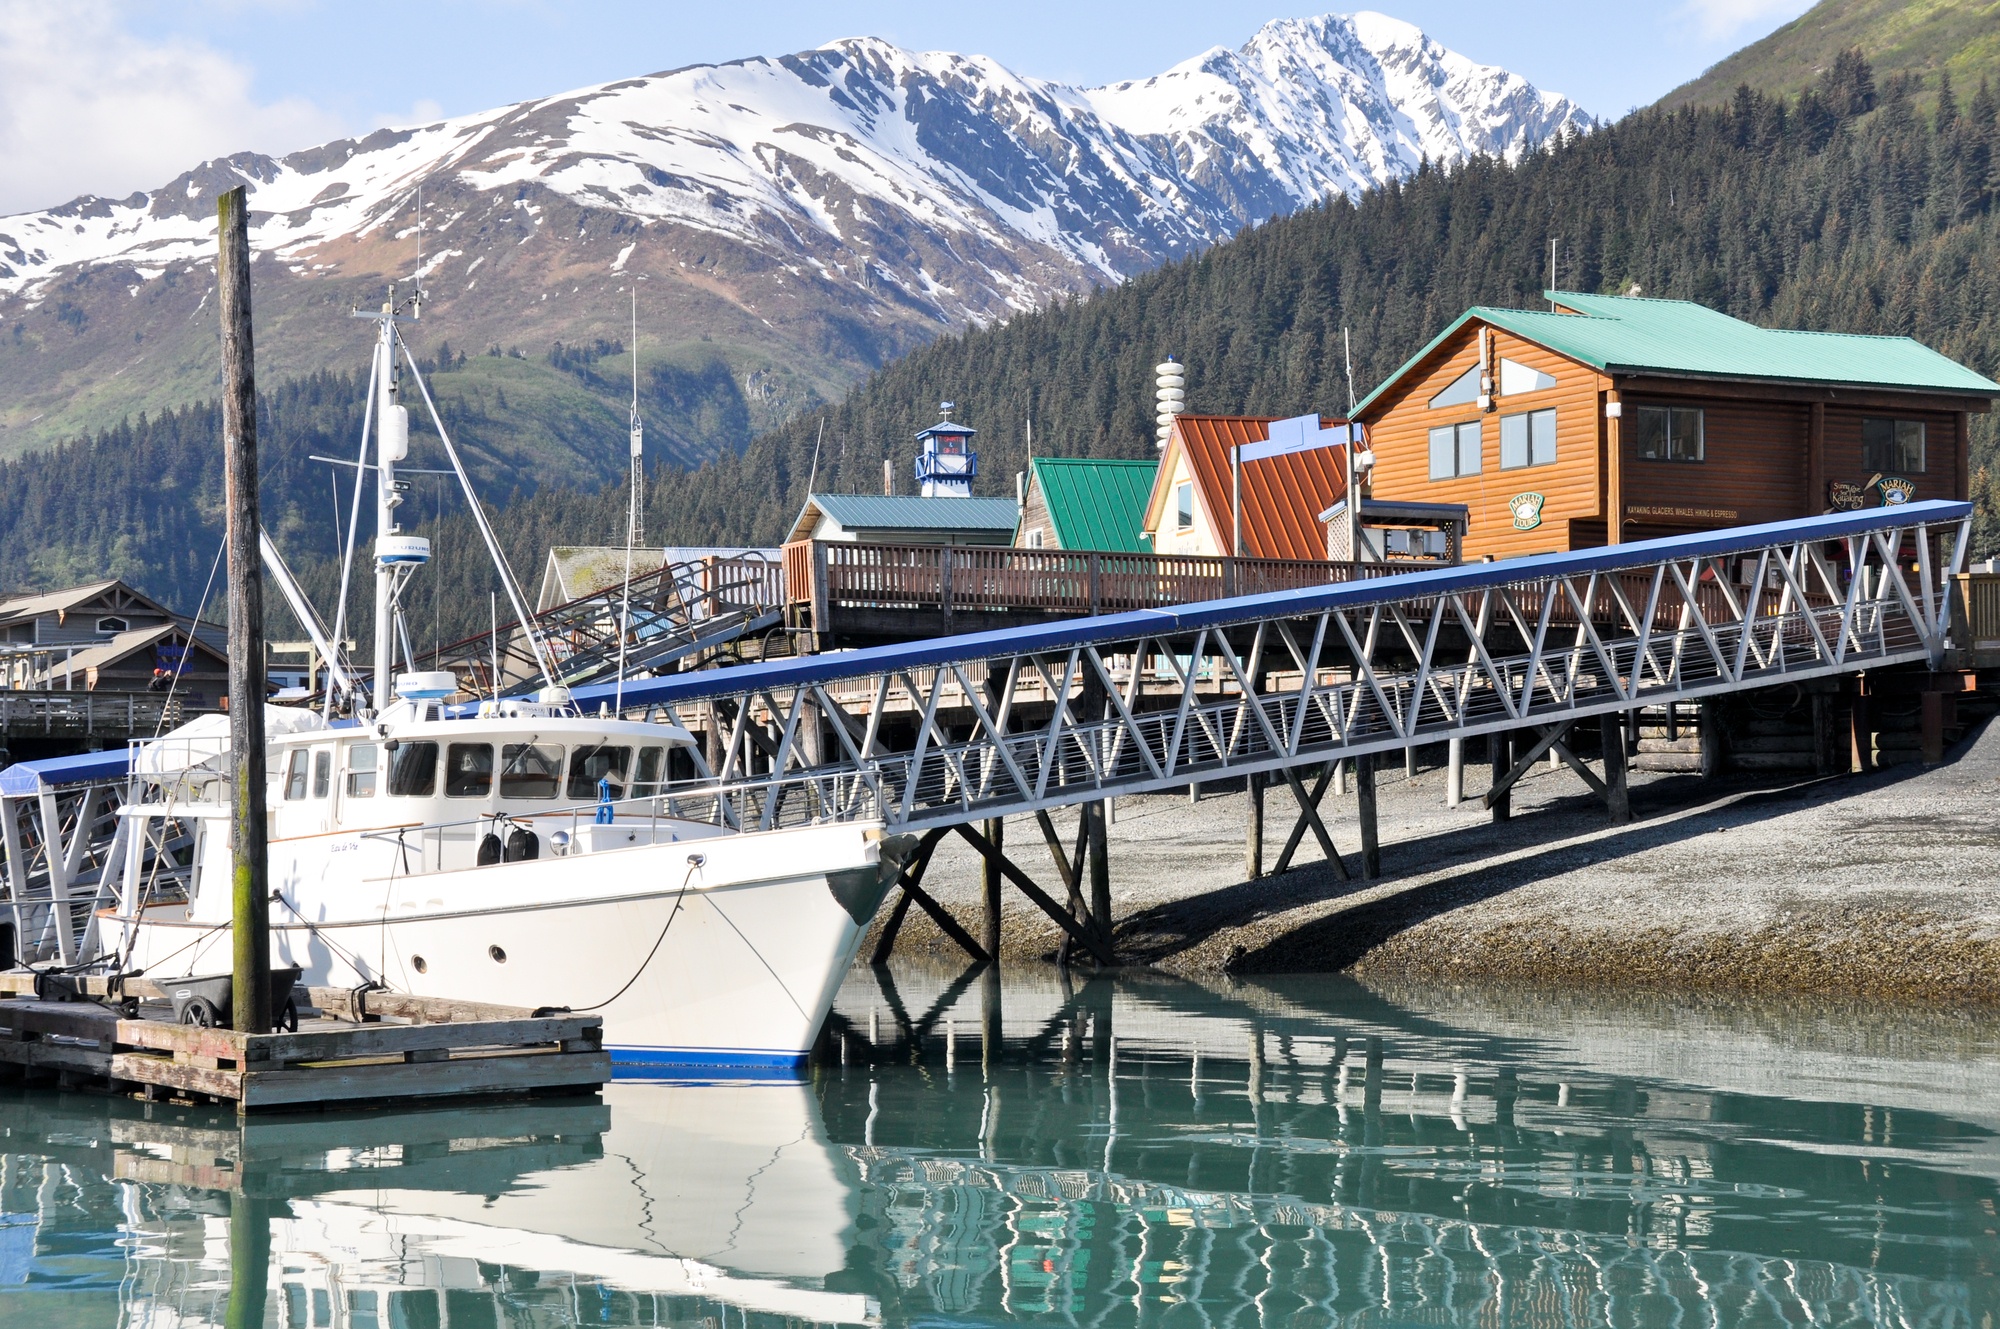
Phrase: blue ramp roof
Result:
[28,778]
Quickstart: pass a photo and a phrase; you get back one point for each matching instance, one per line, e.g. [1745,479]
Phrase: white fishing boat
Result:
[513,852]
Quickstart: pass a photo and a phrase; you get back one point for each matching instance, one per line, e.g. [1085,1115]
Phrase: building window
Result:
[1670,433]
[1462,391]
[1184,506]
[111,625]
[1516,378]
[1895,446]
[1455,450]
[1527,439]
[1035,538]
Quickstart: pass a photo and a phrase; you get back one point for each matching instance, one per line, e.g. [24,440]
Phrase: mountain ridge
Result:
[803,219]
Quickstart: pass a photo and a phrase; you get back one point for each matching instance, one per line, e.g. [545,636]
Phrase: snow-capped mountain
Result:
[809,215]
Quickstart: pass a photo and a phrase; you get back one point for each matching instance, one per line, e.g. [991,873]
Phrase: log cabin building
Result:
[1610,418]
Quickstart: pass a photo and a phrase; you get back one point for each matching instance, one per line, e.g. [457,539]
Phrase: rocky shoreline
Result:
[1881,886]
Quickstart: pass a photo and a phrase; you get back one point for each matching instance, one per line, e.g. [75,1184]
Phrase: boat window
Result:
[530,770]
[468,770]
[295,775]
[361,771]
[413,770]
[652,763]
[322,772]
[590,764]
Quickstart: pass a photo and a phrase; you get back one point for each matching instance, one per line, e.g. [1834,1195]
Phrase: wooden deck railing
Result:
[974,578]
[83,714]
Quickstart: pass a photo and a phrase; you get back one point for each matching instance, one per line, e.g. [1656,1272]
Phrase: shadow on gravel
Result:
[1339,939]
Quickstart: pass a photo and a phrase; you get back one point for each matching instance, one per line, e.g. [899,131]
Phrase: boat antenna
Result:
[634,506]
[1347,354]
[812,478]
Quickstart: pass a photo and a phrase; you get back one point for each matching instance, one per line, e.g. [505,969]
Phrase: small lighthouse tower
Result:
[945,460]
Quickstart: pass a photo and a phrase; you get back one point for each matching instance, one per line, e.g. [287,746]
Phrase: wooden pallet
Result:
[392,1048]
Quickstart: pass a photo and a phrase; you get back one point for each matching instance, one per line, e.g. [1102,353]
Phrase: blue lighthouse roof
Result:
[947,429]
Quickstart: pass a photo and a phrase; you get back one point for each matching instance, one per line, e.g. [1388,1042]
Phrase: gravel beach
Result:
[1881,885]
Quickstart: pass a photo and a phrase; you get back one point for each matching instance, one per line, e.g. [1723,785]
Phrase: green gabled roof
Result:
[1630,335]
[1095,503]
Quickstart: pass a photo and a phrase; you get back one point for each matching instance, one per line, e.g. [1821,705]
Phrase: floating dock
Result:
[360,1050]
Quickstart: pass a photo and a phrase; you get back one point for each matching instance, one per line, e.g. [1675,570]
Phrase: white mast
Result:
[395,553]
[635,508]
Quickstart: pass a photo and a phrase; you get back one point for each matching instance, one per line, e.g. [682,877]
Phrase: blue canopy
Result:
[27,778]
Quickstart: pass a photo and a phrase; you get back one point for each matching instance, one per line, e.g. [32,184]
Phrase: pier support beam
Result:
[1100,881]
[1617,796]
[1500,749]
[1100,948]
[1253,827]
[989,893]
[1364,799]
[1454,773]
[1309,818]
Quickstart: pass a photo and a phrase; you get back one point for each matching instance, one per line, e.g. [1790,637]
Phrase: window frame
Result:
[1183,506]
[1700,414]
[1896,425]
[405,757]
[298,767]
[1457,430]
[1458,385]
[619,777]
[322,774]
[1528,421]
[356,772]
[511,753]
[451,752]
[124,624]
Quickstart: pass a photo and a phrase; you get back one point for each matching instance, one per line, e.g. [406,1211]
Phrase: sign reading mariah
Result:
[1527,510]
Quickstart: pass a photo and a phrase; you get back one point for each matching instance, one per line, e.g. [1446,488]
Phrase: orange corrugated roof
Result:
[1282,496]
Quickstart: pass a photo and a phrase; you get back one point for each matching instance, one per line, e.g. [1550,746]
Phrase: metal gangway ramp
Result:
[684,608]
[939,734]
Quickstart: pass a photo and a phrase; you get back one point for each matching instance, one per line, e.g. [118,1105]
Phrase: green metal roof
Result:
[1096,503]
[907,512]
[1628,335]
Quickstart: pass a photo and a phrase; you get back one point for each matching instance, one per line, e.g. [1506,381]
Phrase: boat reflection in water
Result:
[663,1203]
[1128,1151]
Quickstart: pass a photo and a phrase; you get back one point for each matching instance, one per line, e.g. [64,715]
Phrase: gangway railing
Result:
[679,610]
[955,729]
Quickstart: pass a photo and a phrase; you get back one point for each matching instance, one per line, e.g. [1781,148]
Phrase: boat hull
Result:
[726,966]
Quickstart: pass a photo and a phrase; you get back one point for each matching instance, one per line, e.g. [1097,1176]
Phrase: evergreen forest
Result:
[1851,207]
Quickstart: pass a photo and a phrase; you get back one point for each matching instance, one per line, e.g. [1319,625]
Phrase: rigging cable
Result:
[694,862]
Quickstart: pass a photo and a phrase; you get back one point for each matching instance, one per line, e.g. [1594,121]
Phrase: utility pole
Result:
[250,994]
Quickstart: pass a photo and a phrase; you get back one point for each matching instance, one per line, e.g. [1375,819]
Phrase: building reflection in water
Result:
[1142,1151]
[1129,1151]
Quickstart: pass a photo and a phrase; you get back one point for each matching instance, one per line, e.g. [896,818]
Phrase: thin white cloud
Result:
[1718,20]
[87,107]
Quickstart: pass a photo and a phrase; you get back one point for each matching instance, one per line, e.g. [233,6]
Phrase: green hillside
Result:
[1909,39]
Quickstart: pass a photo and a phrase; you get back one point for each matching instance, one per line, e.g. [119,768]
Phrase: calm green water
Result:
[1291,1152]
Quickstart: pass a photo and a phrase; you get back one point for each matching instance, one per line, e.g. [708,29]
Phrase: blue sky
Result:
[109,96]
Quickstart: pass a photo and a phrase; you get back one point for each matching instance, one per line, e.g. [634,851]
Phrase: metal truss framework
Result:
[949,731]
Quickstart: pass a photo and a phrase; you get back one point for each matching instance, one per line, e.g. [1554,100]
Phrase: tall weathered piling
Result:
[250,998]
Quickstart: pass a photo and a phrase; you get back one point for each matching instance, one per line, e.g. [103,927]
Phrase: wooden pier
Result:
[360,1050]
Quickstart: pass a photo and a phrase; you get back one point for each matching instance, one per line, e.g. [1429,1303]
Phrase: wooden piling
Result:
[1500,751]
[250,997]
[990,879]
[1617,795]
[1253,827]
[1100,878]
[1364,799]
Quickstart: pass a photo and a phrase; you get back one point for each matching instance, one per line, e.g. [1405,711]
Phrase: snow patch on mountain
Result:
[826,151]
